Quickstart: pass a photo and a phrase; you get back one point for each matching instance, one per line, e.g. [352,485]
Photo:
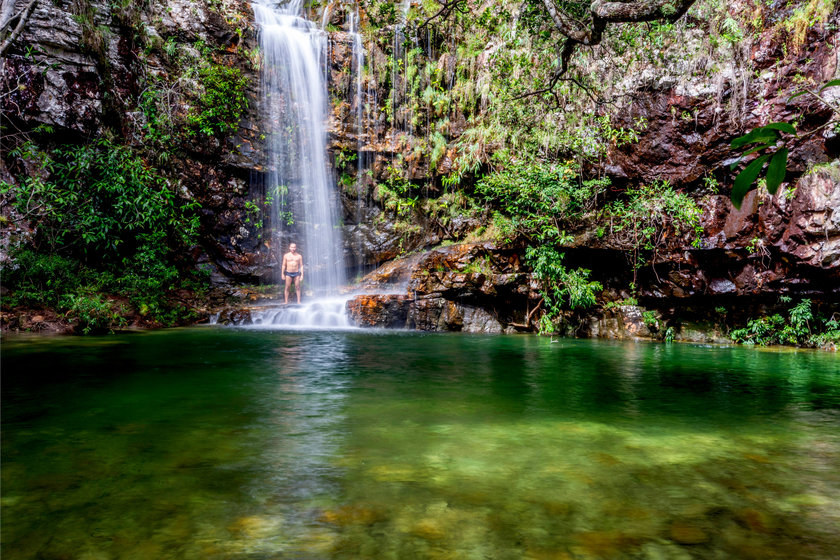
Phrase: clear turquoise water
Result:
[247,444]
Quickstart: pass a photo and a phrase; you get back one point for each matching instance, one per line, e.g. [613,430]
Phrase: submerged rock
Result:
[686,533]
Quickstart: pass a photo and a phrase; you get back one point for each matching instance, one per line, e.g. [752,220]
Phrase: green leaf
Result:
[759,148]
[832,83]
[753,136]
[735,163]
[745,180]
[795,95]
[776,170]
[783,126]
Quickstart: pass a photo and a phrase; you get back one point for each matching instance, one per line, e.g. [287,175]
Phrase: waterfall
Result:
[360,114]
[398,67]
[305,208]
[358,65]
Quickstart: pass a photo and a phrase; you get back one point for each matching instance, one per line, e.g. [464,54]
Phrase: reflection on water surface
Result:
[247,444]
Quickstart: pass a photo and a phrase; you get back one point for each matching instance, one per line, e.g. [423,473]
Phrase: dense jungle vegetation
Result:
[503,113]
[113,233]
[514,110]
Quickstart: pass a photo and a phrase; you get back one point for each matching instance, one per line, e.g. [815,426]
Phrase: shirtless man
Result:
[292,269]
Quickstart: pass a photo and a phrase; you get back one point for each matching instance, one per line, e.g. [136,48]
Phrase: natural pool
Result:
[225,443]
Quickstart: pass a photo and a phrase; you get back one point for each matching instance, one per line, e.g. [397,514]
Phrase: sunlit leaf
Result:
[756,149]
[832,83]
[738,161]
[755,135]
[795,95]
[783,126]
[745,180]
[776,170]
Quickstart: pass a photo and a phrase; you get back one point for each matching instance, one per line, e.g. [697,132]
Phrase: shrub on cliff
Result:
[560,287]
[93,201]
[802,327]
[537,198]
[103,221]
[220,105]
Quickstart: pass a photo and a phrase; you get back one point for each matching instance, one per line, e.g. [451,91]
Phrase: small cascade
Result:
[357,70]
[325,16]
[324,313]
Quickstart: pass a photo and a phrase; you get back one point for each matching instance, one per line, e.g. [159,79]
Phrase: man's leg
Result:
[288,283]
[297,287]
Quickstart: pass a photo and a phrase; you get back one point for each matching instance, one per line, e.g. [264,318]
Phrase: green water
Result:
[245,444]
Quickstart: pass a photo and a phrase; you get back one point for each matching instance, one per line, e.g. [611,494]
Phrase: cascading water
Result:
[398,67]
[322,313]
[361,126]
[298,180]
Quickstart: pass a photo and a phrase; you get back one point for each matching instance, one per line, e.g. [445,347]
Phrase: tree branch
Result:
[22,17]
[591,31]
[644,10]
[573,29]
[601,13]
[447,7]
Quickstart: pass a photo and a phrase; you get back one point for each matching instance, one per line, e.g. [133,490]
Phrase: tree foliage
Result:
[220,105]
[104,222]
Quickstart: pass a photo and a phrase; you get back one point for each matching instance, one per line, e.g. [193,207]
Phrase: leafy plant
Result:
[626,301]
[650,213]
[96,201]
[538,197]
[106,223]
[801,327]
[479,266]
[650,319]
[91,313]
[767,139]
[220,105]
[560,287]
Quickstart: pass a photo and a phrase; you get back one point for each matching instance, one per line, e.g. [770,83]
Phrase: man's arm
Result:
[283,269]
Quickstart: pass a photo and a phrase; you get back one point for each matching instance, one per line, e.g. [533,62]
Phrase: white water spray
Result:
[399,95]
[298,180]
[361,125]
[323,313]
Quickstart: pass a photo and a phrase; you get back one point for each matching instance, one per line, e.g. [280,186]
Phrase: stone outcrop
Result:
[470,287]
[80,68]
[81,72]
[693,108]
[811,233]
[389,311]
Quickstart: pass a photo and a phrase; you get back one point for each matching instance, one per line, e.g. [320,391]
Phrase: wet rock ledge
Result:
[471,287]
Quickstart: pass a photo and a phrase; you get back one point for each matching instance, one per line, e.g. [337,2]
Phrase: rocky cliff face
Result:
[485,288]
[82,67]
[742,259]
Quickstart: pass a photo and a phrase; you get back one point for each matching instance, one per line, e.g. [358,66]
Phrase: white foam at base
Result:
[323,313]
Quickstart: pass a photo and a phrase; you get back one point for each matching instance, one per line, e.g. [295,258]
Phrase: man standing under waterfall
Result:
[292,269]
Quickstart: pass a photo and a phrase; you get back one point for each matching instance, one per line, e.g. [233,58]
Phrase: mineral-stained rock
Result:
[454,288]
[812,233]
[388,311]
[435,314]
[234,316]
